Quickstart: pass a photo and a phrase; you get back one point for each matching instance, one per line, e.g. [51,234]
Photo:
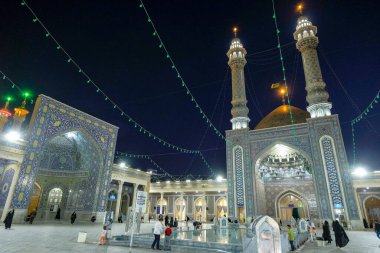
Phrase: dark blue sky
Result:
[113,43]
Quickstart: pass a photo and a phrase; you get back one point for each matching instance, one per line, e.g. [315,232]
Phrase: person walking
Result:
[291,237]
[312,230]
[158,229]
[168,233]
[377,229]
[8,219]
[187,221]
[326,232]
[166,220]
[341,238]
[58,215]
[103,236]
[73,217]
[171,222]
[33,215]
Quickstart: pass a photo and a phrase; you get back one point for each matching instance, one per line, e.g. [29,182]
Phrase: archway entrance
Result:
[162,204]
[35,198]
[221,208]
[291,205]
[111,204]
[200,209]
[372,209]
[180,209]
[54,199]
[68,175]
[125,199]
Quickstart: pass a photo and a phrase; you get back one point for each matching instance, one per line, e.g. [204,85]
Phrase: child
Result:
[168,233]
[291,237]
[103,236]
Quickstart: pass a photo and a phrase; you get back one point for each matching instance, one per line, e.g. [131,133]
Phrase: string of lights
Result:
[283,68]
[145,156]
[358,119]
[89,81]
[13,84]
[367,110]
[26,95]
[179,76]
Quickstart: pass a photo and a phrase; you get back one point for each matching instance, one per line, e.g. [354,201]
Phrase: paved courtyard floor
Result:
[59,238]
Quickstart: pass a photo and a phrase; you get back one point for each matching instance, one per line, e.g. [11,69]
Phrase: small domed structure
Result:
[280,117]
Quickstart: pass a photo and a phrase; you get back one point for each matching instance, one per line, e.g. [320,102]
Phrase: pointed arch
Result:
[297,194]
[267,149]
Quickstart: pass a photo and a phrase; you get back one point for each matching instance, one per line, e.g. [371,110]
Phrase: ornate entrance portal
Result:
[291,205]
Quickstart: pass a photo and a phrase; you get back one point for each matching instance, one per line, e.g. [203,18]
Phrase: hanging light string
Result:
[90,81]
[147,157]
[283,68]
[179,76]
[207,164]
[358,119]
[13,84]
[119,154]
[367,110]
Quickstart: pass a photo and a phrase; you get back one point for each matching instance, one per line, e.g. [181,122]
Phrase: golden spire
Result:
[235,30]
[282,92]
[300,8]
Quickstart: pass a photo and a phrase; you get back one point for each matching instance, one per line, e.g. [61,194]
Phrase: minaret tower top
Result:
[237,61]
[307,43]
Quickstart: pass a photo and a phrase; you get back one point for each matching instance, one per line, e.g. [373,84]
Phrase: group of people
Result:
[172,223]
[341,238]
[159,228]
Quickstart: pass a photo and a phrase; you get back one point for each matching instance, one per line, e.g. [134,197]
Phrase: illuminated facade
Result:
[296,164]
[65,160]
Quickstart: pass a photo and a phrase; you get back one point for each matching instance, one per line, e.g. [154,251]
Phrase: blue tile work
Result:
[5,184]
[332,173]
[239,176]
[50,119]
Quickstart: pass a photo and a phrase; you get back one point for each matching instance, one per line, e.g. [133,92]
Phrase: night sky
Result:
[113,43]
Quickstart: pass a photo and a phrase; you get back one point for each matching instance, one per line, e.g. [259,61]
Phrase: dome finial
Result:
[235,30]
[300,8]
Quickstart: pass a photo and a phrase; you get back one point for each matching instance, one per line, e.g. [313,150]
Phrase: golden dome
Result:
[280,117]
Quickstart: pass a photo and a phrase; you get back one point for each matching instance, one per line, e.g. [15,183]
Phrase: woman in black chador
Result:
[73,217]
[8,219]
[326,232]
[341,238]
[58,215]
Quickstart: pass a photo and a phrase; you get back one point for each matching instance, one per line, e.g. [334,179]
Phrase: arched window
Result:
[54,199]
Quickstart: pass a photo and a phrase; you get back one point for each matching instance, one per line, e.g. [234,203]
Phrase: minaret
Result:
[4,114]
[239,111]
[20,115]
[307,43]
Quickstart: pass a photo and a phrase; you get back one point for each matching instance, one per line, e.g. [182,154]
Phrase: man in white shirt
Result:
[158,229]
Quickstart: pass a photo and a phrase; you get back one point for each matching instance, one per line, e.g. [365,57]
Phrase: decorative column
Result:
[204,207]
[118,201]
[17,168]
[307,43]
[162,200]
[239,111]
[135,186]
